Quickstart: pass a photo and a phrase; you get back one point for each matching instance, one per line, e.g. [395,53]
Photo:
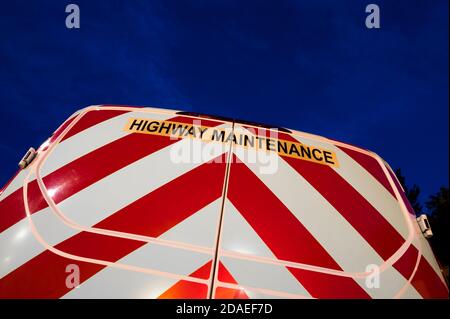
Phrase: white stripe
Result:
[100,200]
[199,229]
[346,246]
[18,244]
[239,236]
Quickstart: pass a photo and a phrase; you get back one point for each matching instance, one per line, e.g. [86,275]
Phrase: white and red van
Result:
[129,202]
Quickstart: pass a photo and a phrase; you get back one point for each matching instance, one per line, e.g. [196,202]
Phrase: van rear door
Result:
[309,217]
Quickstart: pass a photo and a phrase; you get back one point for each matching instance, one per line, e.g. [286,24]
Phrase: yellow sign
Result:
[247,140]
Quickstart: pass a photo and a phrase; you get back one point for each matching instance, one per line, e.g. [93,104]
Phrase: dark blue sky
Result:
[306,65]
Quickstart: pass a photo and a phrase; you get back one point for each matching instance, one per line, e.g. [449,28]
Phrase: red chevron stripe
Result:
[402,194]
[287,238]
[372,226]
[92,118]
[184,289]
[87,170]
[371,165]
[45,272]
[427,283]
[194,190]
[58,132]
[425,280]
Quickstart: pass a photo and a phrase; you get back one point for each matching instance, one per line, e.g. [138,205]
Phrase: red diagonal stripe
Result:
[58,132]
[427,283]
[402,193]
[178,199]
[184,289]
[21,282]
[89,119]
[86,170]
[286,237]
[372,226]
[425,280]
[371,165]
[92,118]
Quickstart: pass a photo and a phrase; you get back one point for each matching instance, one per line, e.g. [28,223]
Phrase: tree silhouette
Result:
[438,215]
[411,193]
[438,206]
